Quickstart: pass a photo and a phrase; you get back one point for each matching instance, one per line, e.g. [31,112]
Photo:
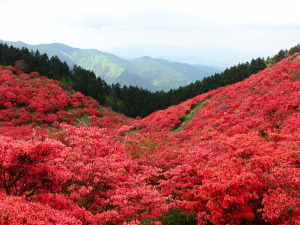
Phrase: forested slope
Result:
[145,72]
[130,100]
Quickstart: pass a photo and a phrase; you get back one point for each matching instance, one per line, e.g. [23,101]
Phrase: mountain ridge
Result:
[165,75]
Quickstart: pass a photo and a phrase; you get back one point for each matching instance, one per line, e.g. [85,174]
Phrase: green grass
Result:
[190,116]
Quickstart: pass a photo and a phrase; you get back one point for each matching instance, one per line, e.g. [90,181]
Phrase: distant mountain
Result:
[209,70]
[145,72]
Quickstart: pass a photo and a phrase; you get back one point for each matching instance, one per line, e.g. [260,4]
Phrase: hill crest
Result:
[164,75]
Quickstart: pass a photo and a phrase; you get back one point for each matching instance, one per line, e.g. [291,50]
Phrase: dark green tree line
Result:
[130,100]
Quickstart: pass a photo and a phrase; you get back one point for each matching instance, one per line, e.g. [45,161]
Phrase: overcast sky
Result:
[223,32]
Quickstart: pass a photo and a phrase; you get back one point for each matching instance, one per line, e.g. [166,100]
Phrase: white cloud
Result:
[250,27]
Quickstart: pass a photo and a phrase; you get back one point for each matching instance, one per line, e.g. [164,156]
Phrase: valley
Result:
[147,73]
[227,156]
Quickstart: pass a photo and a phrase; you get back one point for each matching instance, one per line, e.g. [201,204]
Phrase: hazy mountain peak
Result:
[146,72]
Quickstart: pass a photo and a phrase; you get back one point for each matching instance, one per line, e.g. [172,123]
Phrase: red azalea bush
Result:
[239,155]
[17,210]
[235,162]
[31,98]
[32,166]
[106,180]
[83,173]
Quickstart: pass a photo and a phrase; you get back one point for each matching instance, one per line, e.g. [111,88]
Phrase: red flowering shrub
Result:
[239,155]
[28,98]
[30,167]
[236,160]
[16,210]
[105,180]
[169,118]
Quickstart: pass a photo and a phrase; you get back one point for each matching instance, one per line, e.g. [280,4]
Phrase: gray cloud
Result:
[217,30]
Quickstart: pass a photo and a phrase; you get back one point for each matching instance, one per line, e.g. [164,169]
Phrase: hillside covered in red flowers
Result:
[230,156]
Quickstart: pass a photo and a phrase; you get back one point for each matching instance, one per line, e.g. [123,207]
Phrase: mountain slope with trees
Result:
[130,100]
[228,156]
[161,75]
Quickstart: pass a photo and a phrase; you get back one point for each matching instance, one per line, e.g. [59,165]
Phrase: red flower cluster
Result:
[31,98]
[237,161]
[234,160]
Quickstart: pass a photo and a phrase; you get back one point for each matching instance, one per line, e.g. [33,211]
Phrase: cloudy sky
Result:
[223,32]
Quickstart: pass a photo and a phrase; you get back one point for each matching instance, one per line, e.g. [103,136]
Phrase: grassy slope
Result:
[186,119]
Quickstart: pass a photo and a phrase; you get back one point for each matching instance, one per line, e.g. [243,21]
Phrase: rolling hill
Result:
[229,156]
[148,73]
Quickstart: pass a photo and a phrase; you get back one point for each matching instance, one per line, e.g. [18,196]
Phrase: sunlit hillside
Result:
[229,156]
